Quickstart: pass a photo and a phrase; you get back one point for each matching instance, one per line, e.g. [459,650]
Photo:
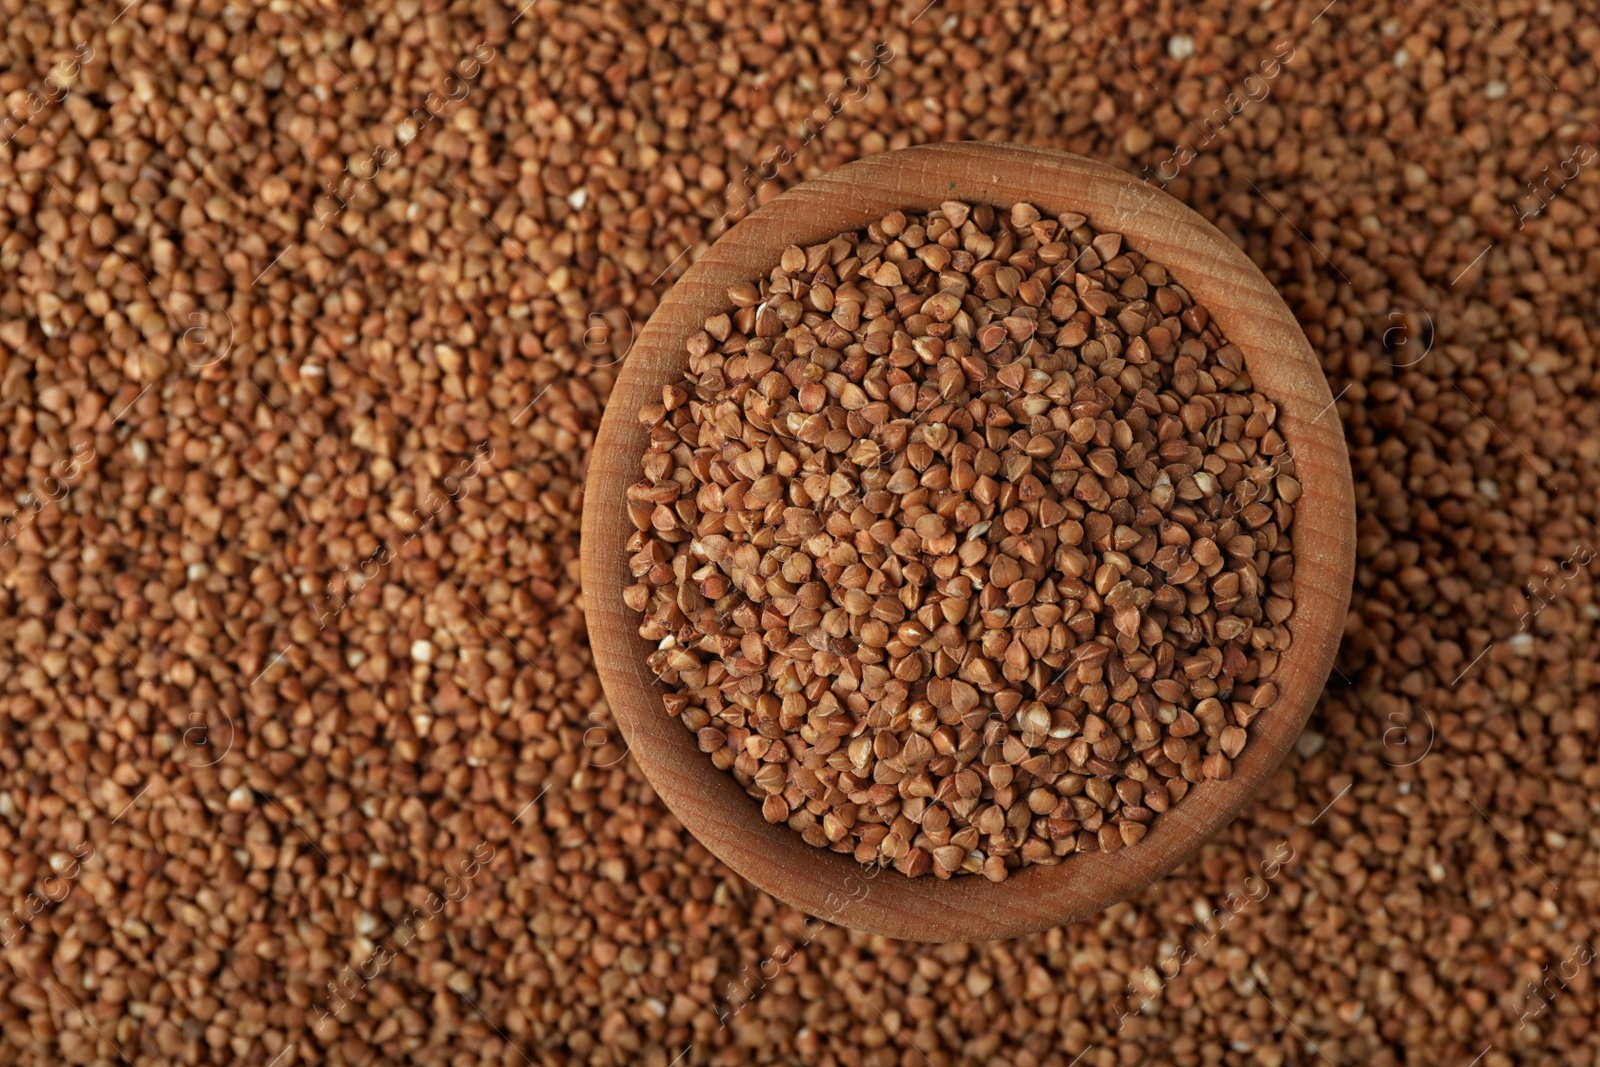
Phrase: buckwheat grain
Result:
[961,541]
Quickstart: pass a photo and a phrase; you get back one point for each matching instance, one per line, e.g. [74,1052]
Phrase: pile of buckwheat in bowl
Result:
[965,541]
[219,822]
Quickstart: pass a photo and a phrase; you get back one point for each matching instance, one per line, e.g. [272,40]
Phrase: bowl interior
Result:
[708,801]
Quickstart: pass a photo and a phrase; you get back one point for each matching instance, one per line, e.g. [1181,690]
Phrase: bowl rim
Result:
[709,802]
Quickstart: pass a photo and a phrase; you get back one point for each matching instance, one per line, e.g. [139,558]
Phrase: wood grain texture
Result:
[709,802]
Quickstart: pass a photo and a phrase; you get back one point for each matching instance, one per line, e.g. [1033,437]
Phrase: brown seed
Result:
[892,536]
[1447,450]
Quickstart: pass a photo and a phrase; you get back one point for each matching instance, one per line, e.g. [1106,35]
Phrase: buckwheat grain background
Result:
[307,318]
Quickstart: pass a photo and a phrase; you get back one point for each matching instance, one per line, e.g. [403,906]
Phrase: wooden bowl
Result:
[1251,314]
